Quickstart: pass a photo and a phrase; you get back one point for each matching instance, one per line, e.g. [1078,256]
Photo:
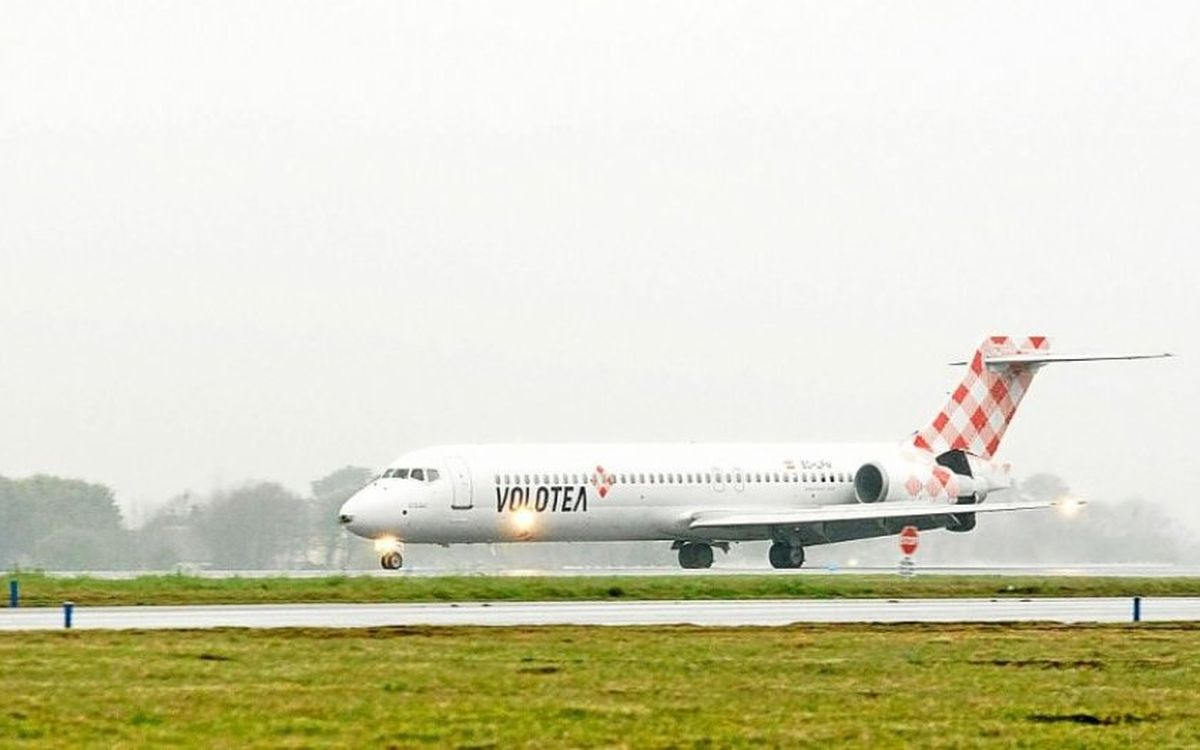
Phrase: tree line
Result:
[54,523]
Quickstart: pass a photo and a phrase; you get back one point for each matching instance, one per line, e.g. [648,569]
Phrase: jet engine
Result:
[876,482]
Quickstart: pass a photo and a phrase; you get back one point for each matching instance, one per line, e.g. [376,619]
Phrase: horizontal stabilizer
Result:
[856,512]
[1047,358]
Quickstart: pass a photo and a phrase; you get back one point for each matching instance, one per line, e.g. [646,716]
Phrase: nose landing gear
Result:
[391,561]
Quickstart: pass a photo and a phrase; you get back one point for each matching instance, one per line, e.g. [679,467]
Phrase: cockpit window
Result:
[401,474]
[418,474]
[431,475]
[388,473]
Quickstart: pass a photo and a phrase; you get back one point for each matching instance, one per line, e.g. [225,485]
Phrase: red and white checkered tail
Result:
[980,408]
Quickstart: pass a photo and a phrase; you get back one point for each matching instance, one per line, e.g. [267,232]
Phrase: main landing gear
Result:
[695,555]
[391,561]
[784,555]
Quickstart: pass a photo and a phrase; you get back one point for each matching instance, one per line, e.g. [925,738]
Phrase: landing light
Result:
[1069,507]
[523,521]
[387,544]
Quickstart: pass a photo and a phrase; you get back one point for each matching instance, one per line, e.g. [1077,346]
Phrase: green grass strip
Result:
[42,590]
[819,686]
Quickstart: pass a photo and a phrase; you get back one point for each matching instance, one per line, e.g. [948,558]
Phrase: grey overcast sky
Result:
[267,239]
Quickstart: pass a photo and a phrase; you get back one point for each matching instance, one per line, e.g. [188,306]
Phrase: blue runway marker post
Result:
[68,613]
[14,593]
[1137,609]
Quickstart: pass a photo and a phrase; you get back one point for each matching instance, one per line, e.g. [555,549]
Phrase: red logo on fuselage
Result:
[602,480]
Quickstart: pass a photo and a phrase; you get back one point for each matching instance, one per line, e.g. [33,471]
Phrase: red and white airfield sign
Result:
[908,545]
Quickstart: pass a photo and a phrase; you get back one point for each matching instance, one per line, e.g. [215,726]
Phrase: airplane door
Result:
[460,480]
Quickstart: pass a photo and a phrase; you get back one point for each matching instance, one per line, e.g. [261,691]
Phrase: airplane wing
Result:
[854,512]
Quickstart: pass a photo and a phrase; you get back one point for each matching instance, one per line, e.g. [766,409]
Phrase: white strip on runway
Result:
[719,613]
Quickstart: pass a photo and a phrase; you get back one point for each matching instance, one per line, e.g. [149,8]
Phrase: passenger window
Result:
[526,479]
[418,474]
[496,479]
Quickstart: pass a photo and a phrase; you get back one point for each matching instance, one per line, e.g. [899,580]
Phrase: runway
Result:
[726,613]
[1116,570]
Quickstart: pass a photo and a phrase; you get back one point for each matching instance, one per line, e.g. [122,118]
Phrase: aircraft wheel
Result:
[784,555]
[695,555]
[391,561]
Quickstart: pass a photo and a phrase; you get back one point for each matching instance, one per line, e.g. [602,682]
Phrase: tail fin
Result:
[978,412]
[980,408]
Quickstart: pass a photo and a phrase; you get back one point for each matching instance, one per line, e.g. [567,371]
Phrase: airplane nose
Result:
[364,514]
[347,513]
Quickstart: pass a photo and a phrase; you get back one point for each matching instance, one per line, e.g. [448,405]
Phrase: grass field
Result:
[41,590]
[876,686]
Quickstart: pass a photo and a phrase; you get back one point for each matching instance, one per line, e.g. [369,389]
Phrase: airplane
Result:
[701,496]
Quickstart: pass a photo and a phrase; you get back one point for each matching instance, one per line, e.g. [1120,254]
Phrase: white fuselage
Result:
[506,493]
